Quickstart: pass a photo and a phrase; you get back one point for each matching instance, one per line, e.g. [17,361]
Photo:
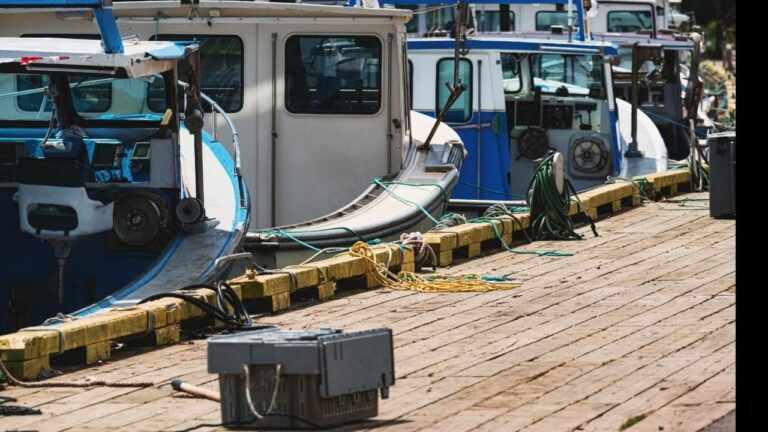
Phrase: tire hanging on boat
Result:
[138,218]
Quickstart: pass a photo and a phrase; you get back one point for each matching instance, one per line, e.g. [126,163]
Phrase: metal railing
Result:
[216,110]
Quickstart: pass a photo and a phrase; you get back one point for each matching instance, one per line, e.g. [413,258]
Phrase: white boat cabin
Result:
[317,92]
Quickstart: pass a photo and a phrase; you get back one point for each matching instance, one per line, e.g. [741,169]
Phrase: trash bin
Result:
[722,174]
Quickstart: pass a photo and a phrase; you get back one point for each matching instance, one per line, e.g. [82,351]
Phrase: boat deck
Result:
[639,322]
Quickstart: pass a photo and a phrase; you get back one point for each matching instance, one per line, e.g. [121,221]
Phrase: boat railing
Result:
[217,110]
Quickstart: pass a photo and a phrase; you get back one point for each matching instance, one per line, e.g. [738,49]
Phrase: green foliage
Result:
[632,421]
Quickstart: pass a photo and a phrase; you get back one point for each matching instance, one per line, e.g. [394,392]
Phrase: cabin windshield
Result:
[629,21]
[568,75]
[623,60]
[28,97]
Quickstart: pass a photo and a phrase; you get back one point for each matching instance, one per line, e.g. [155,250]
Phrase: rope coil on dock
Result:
[433,283]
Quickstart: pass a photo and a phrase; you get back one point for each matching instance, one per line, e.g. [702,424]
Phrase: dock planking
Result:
[640,321]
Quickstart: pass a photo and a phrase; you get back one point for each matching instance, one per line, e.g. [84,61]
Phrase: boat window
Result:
[623,60]
[546,19]
[440,19]
[333,74]
[93,97]
[568,75]
[461,110]
[510,71]
[221,60]
[133,98]
[87,98]
[490,20]
[629,21]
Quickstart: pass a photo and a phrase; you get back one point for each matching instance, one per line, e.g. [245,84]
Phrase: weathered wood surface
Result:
[640,321]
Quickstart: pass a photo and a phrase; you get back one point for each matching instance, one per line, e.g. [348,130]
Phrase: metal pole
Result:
[274,129]
[193,71]
[214,122]
[390,64]
[478,151]
[458,87]
[633,146]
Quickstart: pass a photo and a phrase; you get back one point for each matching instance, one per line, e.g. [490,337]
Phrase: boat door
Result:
[331,122]
[478,116]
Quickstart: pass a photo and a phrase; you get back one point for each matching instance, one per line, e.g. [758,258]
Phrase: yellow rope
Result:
[414,282]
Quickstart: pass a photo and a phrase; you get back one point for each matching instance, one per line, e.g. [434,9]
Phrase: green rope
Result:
[504,194]
[638,183]
[472,278]
[491,220]
[276,232]
[442,189]
[446,221]
[379,183]
[550,209]
[273,232]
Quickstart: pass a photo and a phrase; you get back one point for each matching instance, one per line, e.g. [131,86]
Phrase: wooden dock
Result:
[638,326]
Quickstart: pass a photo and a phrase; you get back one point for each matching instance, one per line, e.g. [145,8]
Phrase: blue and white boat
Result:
[110,189]
[666,98]
[331,152]
[525,97]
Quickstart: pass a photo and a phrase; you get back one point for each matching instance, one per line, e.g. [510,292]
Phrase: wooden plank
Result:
[446,362]
[552,366]
[659,394]
[697,409]
[649,303]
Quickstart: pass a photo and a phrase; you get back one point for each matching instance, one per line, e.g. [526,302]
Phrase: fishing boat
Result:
[606,16]
[330,150]
[110,188]
[669,91]
[667,97]
[524,97]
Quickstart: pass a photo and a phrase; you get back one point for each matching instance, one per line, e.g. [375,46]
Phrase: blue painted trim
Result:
[494,157]
[580,17]
[171,52]
[102,11]
[515,45]
[110,35]
[615,143]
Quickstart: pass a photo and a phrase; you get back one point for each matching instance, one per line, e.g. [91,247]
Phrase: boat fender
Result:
[190,210]
[193,115]
[138,218]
